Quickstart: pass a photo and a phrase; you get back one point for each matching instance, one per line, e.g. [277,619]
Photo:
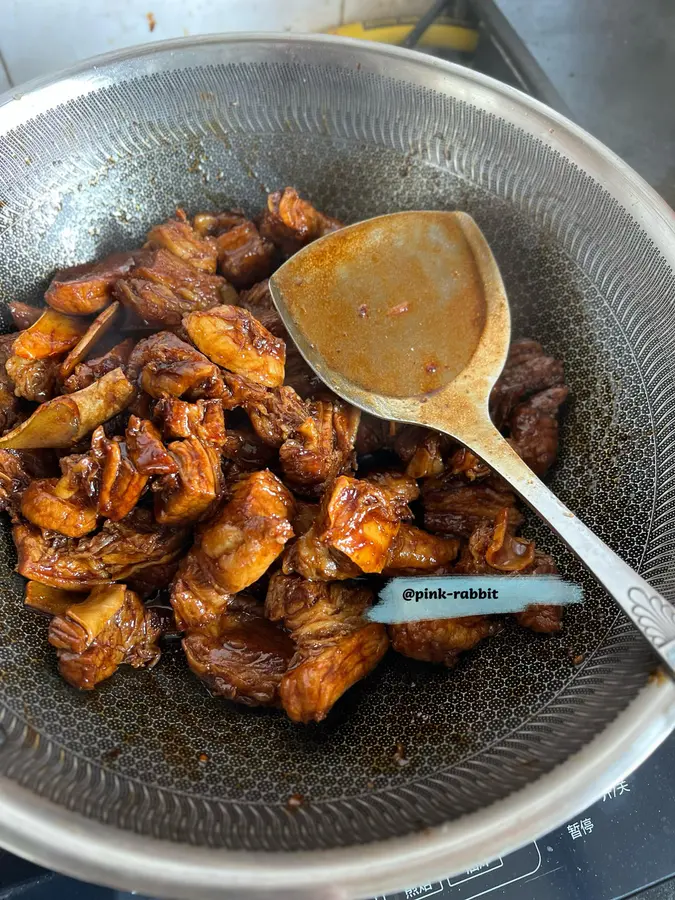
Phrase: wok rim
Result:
[52,836]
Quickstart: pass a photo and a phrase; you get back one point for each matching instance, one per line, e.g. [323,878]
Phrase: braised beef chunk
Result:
[33,379]
[209,224]
[527,371]
[441,640]
[86,289]
[258,301]
[466,464]
[109,628]
[241,656]
[14,479]
[45,506]
[181,240]
[353,532]
[374,435]
[321,447]
[533,428]
[494,549]
[189,494]
[145,448]
[414,552]
[233,339]
[115,553]
[24,315]
[88,372]
[451,506]
[275,413]
[165,366]
[162,289]
[242,541]
[9,406]
[197,599]
[290,222]
[335,645]
[244,257]
[244,449]
[184,451]
[121,484]
[203,419]
[421,450]
[402,487]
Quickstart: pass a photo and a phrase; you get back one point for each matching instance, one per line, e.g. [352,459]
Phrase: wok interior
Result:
[194,768]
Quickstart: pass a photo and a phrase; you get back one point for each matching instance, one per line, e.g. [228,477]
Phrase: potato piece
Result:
[232,338]
[98,328]
[52,335]
[42,506]
[86,289]
[64,420]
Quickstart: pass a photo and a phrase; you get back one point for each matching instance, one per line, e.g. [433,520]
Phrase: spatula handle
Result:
[653,615]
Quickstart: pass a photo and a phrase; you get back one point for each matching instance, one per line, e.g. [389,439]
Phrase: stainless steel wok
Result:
[522,735]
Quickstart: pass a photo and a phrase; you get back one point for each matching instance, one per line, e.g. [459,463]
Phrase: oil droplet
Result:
[295,801]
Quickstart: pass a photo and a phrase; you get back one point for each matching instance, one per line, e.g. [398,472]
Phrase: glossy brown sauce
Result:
[397,306]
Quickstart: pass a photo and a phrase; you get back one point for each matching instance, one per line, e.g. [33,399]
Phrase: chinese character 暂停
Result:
[574,830]
[586,826]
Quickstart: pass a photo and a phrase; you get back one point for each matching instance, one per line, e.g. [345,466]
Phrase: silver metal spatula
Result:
[406,317]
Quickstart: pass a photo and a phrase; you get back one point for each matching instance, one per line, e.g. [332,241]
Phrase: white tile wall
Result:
[41,36]
[356,10]
[4,80]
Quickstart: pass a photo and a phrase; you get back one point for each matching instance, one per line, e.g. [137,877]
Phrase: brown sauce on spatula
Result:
[395,304]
